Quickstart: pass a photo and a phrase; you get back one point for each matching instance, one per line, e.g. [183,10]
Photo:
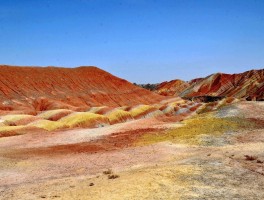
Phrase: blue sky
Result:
[138,40]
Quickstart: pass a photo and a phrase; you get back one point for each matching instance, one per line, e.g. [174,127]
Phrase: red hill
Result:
[43,88]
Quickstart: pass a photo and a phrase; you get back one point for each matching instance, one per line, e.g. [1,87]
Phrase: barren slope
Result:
[172,88]
[44,88]
[249,84]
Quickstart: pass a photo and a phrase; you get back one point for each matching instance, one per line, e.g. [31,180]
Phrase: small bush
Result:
[41,104]
[251,158]
[113,176]
[109,171]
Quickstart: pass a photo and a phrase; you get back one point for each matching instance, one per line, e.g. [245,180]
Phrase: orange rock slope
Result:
[45,88]
[172,88]
[249,84]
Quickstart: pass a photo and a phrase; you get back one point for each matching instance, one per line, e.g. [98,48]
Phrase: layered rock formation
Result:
[172,88]
[249,84]
[46,88]
[61,119]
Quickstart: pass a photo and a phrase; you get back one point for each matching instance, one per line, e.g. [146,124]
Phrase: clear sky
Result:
[138,40]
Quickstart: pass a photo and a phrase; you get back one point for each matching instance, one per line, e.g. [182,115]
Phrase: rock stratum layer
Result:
[61,119]
[46,88]
[172,88]
[249,84]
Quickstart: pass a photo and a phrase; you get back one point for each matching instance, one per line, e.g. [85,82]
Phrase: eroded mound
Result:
[249,85]
[61,119]
[172,88]
[34,89]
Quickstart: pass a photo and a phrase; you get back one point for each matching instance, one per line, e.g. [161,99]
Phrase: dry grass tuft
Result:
[113,176]
[41,104]
[250,158]
[107,172]
[110,174]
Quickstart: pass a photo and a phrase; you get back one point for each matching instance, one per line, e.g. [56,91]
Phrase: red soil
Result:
[109,143]
[44,88]
[118,140]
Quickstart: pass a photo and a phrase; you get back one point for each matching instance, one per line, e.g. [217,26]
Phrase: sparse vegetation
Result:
[110,174]
[113,176]
[250,158]
[107,172]
[41,104]
[148,86]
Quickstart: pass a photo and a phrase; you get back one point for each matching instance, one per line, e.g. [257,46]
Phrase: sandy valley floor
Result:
[82,164]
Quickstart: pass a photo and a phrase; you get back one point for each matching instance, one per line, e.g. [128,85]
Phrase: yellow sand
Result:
[14,118]
[84,119]
[191,129]
[48,125]
[135,112]
[48,114]
[117,115]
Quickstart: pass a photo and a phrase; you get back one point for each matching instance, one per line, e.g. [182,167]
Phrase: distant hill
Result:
[171,88]
[174,87]
[249,85]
